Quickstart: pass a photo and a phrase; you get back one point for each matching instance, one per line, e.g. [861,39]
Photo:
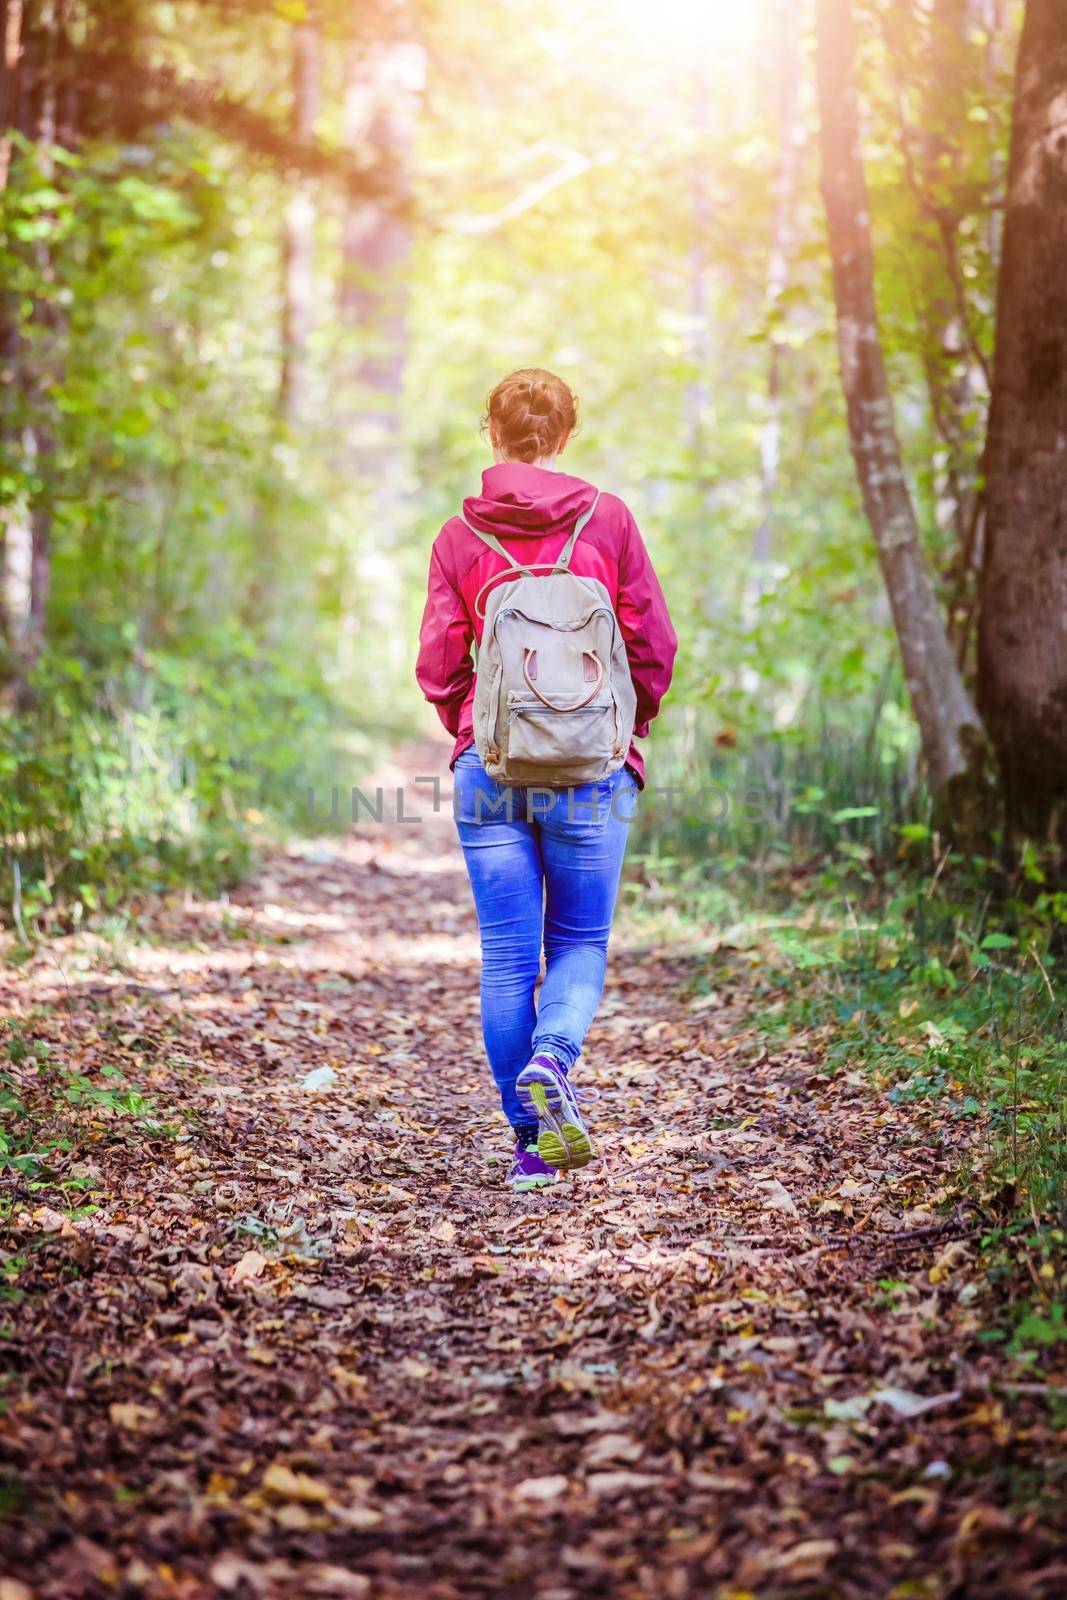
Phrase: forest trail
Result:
[307,1345]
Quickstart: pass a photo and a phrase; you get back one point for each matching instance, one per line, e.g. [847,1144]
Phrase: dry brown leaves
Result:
[311,1347]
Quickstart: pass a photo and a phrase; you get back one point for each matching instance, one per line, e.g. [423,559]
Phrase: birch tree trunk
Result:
[1022,646]
[10,60]
[32,42]
[298,244]
[788,21]
[698,389]
[952,375]
[952,741]
[45,374]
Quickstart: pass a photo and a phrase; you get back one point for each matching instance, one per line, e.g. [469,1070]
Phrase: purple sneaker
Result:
[528,1171]
[546,1093]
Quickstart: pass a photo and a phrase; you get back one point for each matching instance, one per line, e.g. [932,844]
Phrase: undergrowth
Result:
[943,975]
[53,1115]
[124,785]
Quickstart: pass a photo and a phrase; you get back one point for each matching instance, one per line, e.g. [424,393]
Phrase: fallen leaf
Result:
[984,1523]
[777,1197]
[719,1483]
[850,1410]
[353,1383]
[362,1518]
[338,1583]
[319,1294]
[319,1078]
[250,1266]
[612,1447]
[610,1483]
[230,1570]
[806,1561]
[126,1414]
[50,1220]
[282,1483]
[549,1488]
[906,1404]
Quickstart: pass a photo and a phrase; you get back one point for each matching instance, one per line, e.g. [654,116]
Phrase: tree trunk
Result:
[382,98]
[787,21]
[951,373]
[698,387]
[45,375]
[10,56]
[1022,648]
[299,230]
[996,32]
[381,110]
[27,54]
[10,60]
[952,742]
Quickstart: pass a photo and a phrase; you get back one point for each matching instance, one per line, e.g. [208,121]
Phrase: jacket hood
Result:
[518,499]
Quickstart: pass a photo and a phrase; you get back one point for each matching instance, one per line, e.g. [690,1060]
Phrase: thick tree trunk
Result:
[1022,653]
[298,247]
[952,741]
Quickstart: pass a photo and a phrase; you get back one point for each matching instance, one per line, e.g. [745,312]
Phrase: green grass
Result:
[52,1113]
[944,976]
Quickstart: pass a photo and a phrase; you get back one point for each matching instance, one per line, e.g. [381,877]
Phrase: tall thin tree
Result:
[952,740]
[298,252]
[10,85]
[787,21]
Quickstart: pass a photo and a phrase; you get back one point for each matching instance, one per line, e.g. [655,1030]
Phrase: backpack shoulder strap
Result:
[494,544]
[565,554]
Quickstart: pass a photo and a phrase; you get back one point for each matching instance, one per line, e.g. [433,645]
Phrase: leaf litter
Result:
[304,1343]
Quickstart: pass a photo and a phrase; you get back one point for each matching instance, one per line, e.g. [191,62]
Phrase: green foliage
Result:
[51,1112]
[230,597]
[941,975]
[154,775]
[190,683]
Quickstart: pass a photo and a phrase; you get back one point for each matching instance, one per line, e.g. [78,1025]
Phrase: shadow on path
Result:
[307,1345]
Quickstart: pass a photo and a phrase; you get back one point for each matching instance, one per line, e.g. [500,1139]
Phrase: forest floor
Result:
[301,1342]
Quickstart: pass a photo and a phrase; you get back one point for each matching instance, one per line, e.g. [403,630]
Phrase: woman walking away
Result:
[552,582]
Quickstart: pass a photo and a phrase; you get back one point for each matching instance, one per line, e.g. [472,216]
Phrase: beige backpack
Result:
[553,700]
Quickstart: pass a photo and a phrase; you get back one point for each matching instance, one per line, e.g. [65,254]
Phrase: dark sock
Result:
[525,1133]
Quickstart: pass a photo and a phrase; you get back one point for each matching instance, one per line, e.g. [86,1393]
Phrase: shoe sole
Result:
[531,1185]
[561,1143]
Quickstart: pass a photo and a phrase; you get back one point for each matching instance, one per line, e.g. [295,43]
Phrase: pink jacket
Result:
[532,512]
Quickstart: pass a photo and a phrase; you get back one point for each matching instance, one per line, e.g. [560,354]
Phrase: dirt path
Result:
[307,1345]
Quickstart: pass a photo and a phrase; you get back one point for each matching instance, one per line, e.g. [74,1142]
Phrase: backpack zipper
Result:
[550,711]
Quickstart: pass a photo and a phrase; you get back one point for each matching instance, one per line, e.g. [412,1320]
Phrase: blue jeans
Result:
[544,865]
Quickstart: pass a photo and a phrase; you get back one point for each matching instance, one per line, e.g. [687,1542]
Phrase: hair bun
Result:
[530,413]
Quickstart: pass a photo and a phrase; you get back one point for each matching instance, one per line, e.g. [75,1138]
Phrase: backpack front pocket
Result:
[569,741]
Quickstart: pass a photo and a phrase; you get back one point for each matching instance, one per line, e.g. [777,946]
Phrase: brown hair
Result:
[530,412]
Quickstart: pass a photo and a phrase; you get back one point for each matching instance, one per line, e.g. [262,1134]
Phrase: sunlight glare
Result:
[688,22]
